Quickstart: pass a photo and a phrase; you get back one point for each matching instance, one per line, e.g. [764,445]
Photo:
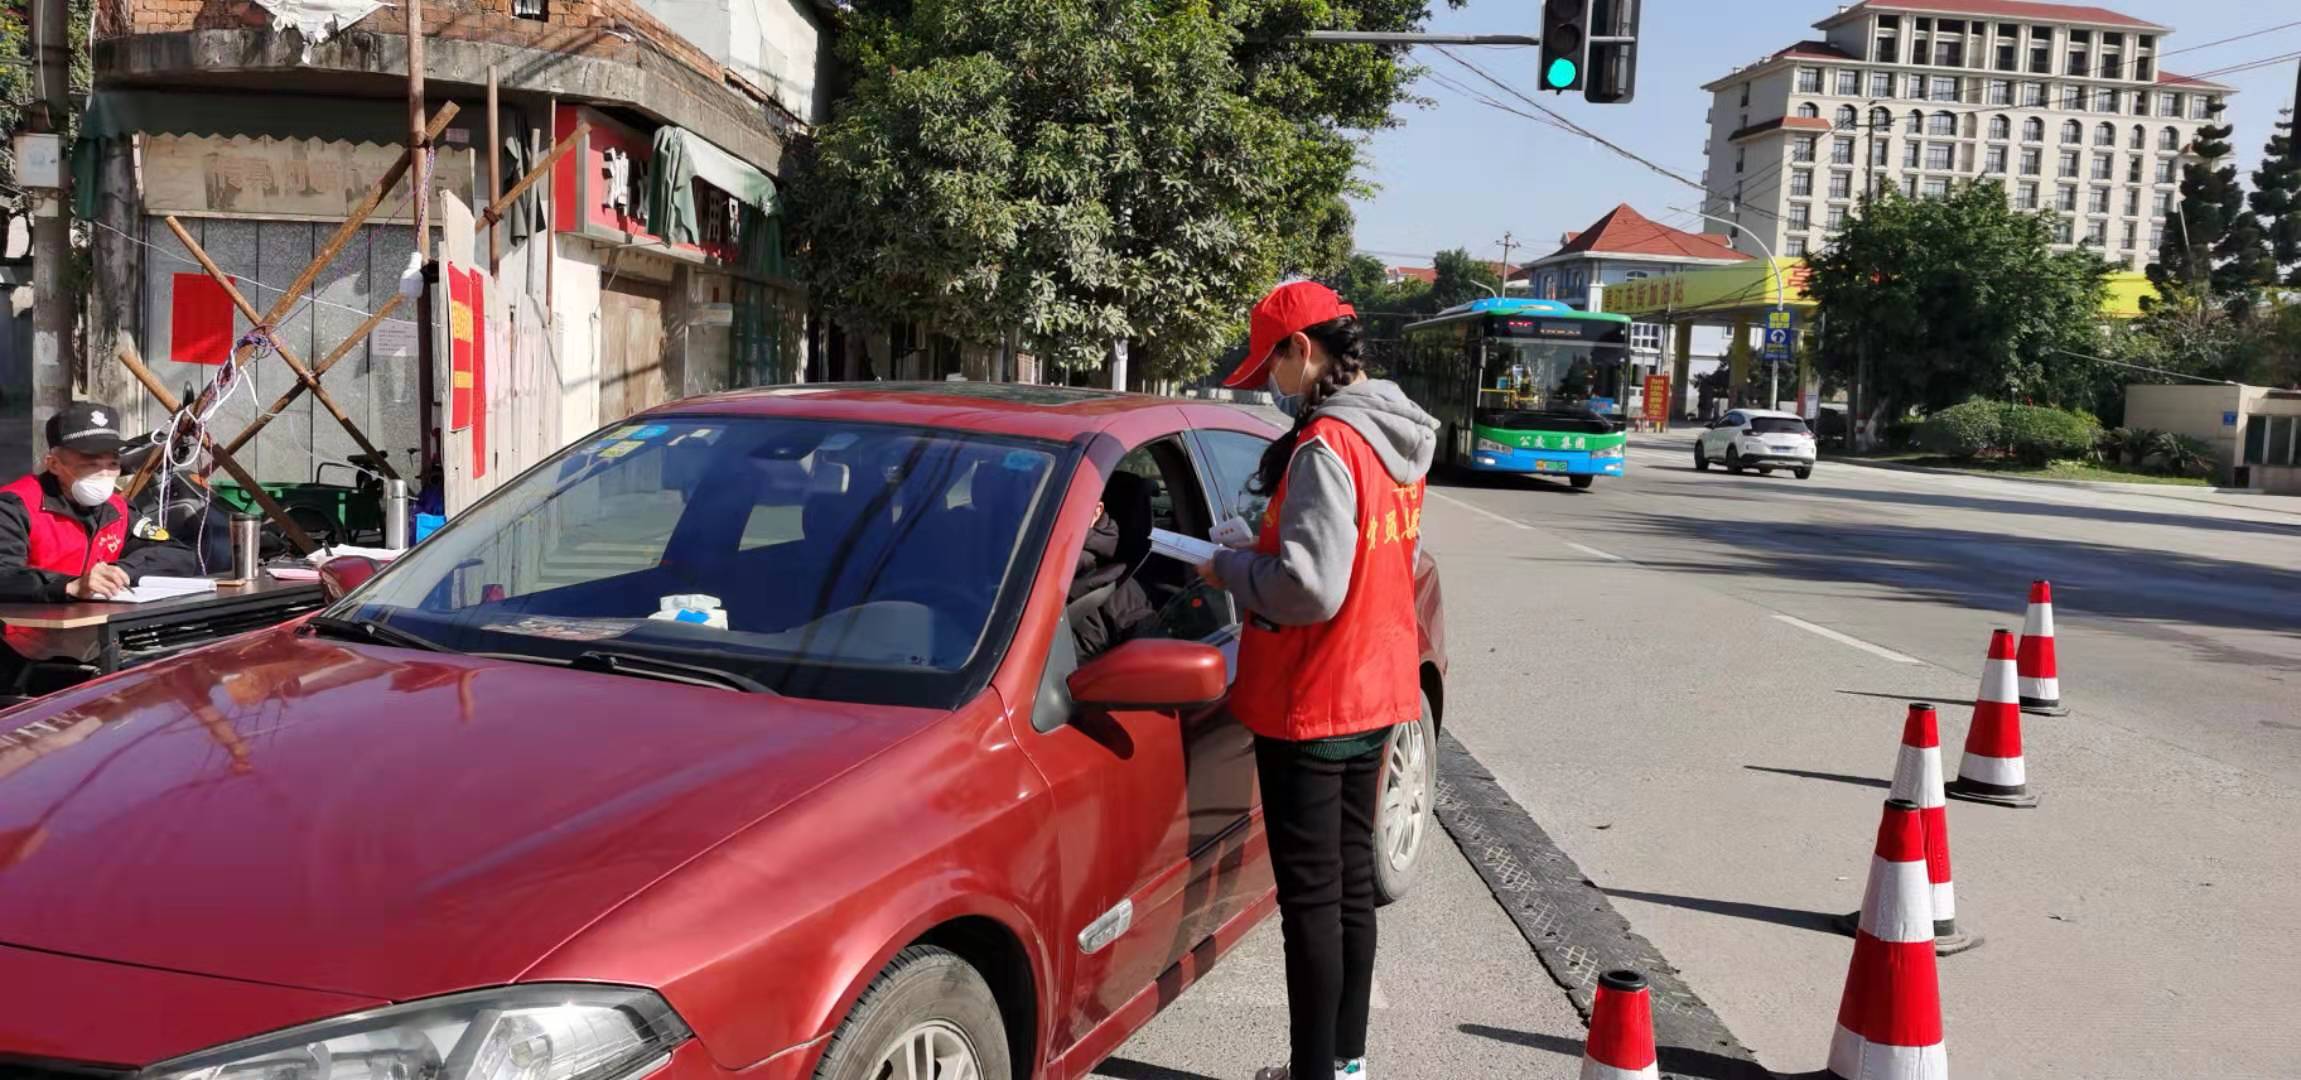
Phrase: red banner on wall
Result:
[477,284]
[461,322]
[199,320]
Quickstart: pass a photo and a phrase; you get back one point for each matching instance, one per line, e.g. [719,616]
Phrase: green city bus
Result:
[1531,387]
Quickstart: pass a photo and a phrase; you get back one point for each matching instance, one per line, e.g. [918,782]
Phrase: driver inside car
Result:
[1125,607]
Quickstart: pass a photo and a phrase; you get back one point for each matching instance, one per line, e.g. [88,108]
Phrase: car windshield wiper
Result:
[371,631]
[638,666]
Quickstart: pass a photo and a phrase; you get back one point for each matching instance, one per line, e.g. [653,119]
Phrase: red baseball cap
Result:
[1289,309]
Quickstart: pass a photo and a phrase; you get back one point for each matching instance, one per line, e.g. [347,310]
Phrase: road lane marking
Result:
[1481,511]
[1594,552]
[1844,639]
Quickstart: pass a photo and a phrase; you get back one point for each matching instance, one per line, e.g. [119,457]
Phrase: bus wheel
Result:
[1582,483]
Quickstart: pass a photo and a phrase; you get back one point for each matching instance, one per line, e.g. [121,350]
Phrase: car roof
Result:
[1058,413]
[1770,412]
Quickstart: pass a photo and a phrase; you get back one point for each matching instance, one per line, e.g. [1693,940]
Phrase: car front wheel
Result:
[1408,814]
[1701,460]
[929,1014]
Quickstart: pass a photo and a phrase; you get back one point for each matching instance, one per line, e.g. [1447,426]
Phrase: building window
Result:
[1846,117]
[2163,204]
[2200,107]
[1849,83]
[2027,199]
[1916,88]
[1809,80]
[2001,91]
[1936,187]
[1994,161]
[1909,185]
[2104,166]
[1745,95]
[2001,127]
[2140,103]
[2169,105]
[2080,53]
[2073,98]
[2061,230]
[1802,182]
[2033,95]
[1881,152]
[2105,101]
[2132,235]
[2041,50]
[1801,217]
[2133,169]
[2065,199]
[1842,151]
[2097,233]
[2008,54]
[1803,149]
[2105,135]
[1941,123]
[1836,219]
[2169,140]
[2033,129]
[1808,110]
[2133,202]
[2140,139]
[2099,202]
[1916,123]
[1949,51]
[2032,163]
[530,9]
[1944,88]
[1741,158]
[2068,165]
[1910,153]
[1881,84]
[1841,185]
[1796,248]
[1881,119]
[2072,133]
[2165,170]
[1940,155]
[2157,236]
[1646,337]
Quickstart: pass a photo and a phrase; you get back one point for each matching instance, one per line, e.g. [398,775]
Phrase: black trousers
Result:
[1320,817]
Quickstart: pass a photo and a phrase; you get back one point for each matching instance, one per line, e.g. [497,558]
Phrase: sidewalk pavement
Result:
[1457,993]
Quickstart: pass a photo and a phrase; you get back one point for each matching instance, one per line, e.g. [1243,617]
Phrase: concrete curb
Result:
[2154,491]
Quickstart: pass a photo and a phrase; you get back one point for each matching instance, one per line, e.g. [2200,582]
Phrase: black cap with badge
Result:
[87,428]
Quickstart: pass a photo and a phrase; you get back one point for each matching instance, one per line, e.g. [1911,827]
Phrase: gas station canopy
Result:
[1717,294]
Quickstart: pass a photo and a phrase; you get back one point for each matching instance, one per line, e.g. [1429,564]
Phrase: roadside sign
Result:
[1781,330]
[1657,402]
[2228,419]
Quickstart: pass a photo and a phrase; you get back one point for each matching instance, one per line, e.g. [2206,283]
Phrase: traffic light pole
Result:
[1355,37]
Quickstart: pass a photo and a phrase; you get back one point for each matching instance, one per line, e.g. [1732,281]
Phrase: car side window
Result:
[1232,458]
[1735,419]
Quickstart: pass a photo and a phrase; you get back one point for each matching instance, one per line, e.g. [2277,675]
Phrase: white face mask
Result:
[96,488]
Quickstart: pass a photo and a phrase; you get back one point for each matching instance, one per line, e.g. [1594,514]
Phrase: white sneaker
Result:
[1354,1069]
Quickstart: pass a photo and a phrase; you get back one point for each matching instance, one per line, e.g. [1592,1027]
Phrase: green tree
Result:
[2276,198]
[1088,170]
[2211,238]
[1461,279]
[1958,297]
[1384,307]
[19,93]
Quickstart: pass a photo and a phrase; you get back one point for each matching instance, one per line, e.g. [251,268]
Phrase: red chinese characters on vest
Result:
[1355,672]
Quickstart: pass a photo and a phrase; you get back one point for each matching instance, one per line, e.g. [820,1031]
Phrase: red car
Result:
[749,737]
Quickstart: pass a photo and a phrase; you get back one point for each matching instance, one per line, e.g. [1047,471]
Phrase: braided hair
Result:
[1344,344]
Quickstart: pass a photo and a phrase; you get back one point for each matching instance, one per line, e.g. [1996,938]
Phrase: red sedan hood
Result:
[375,821]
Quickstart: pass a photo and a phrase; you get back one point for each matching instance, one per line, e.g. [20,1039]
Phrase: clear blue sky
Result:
[1458,173]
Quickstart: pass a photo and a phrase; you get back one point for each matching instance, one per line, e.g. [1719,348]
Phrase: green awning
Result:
[682,157]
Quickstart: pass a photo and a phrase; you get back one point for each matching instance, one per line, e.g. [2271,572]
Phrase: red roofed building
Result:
[1624,245]
[2063,104]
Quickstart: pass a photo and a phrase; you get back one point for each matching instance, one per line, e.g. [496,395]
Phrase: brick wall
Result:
[580,27]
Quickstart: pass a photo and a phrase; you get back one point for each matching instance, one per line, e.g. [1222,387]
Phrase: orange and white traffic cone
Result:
[1889,1019]
[1621,1044]
[1993,771]
[1918,779]
[2040,674]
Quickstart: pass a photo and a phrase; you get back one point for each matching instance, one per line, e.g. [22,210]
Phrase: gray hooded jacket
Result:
[1318,526]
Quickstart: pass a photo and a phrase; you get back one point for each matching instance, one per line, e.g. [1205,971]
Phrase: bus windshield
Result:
[1529,385]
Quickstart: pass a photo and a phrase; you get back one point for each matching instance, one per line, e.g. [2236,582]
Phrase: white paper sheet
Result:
[163,588]
[1191,550]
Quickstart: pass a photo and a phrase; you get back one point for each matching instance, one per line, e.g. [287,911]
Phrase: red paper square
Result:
[199,320]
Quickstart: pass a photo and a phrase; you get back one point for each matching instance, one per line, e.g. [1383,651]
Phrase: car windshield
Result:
[817,559]
[1777,425]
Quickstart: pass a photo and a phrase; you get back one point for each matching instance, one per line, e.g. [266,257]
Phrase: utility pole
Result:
[1508,242]
[53,310]
[419,177]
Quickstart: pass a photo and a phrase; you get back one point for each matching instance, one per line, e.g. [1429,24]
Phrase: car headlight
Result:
[1606,452]
[540,1032]
[1491,446]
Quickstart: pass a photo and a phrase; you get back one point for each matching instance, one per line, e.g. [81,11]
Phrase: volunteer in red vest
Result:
[1326,661]
[64,534]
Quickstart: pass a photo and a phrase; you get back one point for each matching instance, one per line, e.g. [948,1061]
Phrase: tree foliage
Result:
[1958,297]
[2276,198]
[1088,170]
[20,93]
[2211,239]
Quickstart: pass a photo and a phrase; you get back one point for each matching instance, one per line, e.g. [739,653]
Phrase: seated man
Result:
[64,536]
[1124,609]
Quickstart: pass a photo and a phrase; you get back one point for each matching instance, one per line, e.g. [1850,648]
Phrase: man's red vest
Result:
[1356,672]
[59,541]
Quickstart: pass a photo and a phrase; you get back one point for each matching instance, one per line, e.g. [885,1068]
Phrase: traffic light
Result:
[1612,51]
[1565,41]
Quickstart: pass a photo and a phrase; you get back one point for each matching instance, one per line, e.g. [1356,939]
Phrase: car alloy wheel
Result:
[935,1050]
[1408,809]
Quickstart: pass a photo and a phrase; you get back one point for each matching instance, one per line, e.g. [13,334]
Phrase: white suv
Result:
[1760,439]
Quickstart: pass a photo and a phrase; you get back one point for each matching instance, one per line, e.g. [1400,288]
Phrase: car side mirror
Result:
[1151,673]
[340,575]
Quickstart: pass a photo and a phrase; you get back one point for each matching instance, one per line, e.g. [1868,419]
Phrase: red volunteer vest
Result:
[58,541]
[1355,672]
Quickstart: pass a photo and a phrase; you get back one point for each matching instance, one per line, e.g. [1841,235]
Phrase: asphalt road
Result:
[1695,683]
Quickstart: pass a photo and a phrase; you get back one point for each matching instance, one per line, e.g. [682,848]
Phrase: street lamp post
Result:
[1781,294]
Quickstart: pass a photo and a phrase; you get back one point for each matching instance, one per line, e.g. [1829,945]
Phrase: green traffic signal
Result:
[1560,74]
